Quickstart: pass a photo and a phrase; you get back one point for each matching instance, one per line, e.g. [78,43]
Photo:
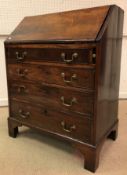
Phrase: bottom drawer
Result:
[56,122]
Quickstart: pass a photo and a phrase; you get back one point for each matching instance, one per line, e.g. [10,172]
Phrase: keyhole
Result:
[45,111]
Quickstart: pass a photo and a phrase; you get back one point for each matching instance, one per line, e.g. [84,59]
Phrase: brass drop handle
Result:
[74,100]
[20,56]
[67,128]
[22,72]
[24,114]
[73,77]
[22,88]
[74,56]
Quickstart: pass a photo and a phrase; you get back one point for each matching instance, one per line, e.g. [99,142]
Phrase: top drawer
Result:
[61,55]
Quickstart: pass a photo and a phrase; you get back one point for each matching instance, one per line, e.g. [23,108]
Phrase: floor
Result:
[33,154]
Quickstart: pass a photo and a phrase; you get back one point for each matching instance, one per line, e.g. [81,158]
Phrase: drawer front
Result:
[52,121]
[61,55]
[65,99]
[73,76]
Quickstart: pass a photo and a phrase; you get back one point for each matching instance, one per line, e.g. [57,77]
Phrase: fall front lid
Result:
[76,25]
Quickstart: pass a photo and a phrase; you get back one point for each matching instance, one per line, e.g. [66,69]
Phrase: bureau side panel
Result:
[108,74]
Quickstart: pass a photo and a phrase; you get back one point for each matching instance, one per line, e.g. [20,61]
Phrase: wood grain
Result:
[69,76]
[50,120]
[65,26]
[51,96]
[83,111]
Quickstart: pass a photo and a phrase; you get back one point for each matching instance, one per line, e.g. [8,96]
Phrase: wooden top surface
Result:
[76,25]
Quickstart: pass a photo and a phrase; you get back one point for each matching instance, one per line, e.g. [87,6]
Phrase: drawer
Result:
[75,76]
[61,98]
[49,120]
[83,56]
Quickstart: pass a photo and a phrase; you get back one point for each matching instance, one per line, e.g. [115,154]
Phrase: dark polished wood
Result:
[63,73]
[76,55]
[65,124]
[53,96]
[108,74]
[69,26]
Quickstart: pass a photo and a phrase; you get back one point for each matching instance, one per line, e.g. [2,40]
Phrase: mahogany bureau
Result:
[63,72]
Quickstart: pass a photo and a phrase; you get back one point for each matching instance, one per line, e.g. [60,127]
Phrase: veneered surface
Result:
[76,25]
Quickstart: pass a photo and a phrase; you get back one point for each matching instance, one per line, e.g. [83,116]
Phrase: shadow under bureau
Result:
[63,74]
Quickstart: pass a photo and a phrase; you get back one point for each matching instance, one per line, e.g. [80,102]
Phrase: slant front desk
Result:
[63,72]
